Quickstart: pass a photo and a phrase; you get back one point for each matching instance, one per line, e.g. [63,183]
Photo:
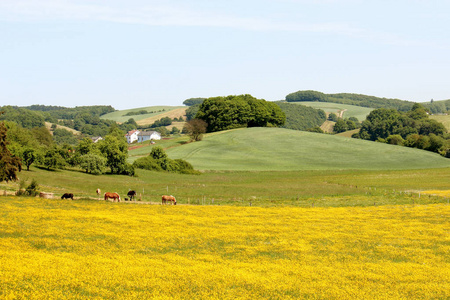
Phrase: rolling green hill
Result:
[347,110]
[119,115]
[271,149]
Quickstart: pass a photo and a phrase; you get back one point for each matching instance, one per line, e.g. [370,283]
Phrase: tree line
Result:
[351,99]
[412,129]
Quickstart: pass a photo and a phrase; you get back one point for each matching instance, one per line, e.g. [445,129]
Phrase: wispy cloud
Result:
[157,14]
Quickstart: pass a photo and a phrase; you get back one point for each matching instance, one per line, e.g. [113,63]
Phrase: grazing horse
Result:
[67,196]
[113,196]
[170,198]
[131,194]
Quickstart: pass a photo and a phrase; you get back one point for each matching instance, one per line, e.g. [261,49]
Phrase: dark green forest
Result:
[412,129]
[300,117]
[222,113]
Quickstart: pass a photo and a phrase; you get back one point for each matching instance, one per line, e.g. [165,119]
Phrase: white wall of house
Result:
[132,136]
[148,135]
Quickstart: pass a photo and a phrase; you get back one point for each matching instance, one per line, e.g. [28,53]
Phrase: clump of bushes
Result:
[30,190]
[158,160]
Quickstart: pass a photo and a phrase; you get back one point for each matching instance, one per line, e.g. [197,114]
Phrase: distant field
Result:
[358,112]
[158,112]
[48,125]
[61,249]
[444,119]
[270,149]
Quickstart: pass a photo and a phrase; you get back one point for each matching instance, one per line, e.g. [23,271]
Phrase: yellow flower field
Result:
[440,193]
[61,249]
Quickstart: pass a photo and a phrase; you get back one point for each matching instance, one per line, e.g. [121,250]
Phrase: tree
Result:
[43,136]
[222,113]
[53,159]
[9,164]
[158,153]
[395,139]
[85,146]
[333,117]
[115,149]
[195,128]
[92,163]
[340,126]
[193,101]
[28,157]
[174,130]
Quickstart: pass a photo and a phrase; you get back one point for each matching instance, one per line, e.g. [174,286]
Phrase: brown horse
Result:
[170,198]
[113,196]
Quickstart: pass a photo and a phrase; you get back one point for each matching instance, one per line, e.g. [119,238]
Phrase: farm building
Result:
[132,136]
[148,135]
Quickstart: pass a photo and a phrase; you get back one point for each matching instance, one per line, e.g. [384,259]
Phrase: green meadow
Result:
[119,117]
[244,188]
[268,167]
[277,149]
[444,119]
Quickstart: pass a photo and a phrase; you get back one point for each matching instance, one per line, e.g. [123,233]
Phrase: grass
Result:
[119,117]
[276,149]
[444,119]
[265,189]
[60,249]
[358,112]
[143,149]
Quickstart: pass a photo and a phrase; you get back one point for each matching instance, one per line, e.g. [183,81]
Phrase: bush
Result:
[30,190]
[395,139]
[157,160]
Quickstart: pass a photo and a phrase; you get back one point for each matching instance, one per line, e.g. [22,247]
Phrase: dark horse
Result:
[67,196]
[131,194]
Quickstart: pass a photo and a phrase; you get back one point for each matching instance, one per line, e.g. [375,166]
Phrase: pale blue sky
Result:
[138,53]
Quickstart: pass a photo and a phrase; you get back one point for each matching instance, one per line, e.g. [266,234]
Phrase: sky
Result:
[139,53]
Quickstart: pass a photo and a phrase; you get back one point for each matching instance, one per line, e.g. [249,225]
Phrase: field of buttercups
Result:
[62,249]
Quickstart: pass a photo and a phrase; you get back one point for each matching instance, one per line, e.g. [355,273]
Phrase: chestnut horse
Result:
[113,196]
[170,198]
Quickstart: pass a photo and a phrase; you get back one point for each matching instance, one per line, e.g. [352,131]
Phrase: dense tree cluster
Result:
[9,164]
[412,129]
[300,117]
[36,146]
[193,101]
[438,107]
[351,99]
[342,125]
[222,113]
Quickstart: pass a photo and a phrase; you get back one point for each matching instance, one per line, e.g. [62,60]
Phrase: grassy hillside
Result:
[444,119]
[343,110]
[283,149]
[156,111]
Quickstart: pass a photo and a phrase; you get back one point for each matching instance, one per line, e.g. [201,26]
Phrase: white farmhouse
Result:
[148,135]
[132,136]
